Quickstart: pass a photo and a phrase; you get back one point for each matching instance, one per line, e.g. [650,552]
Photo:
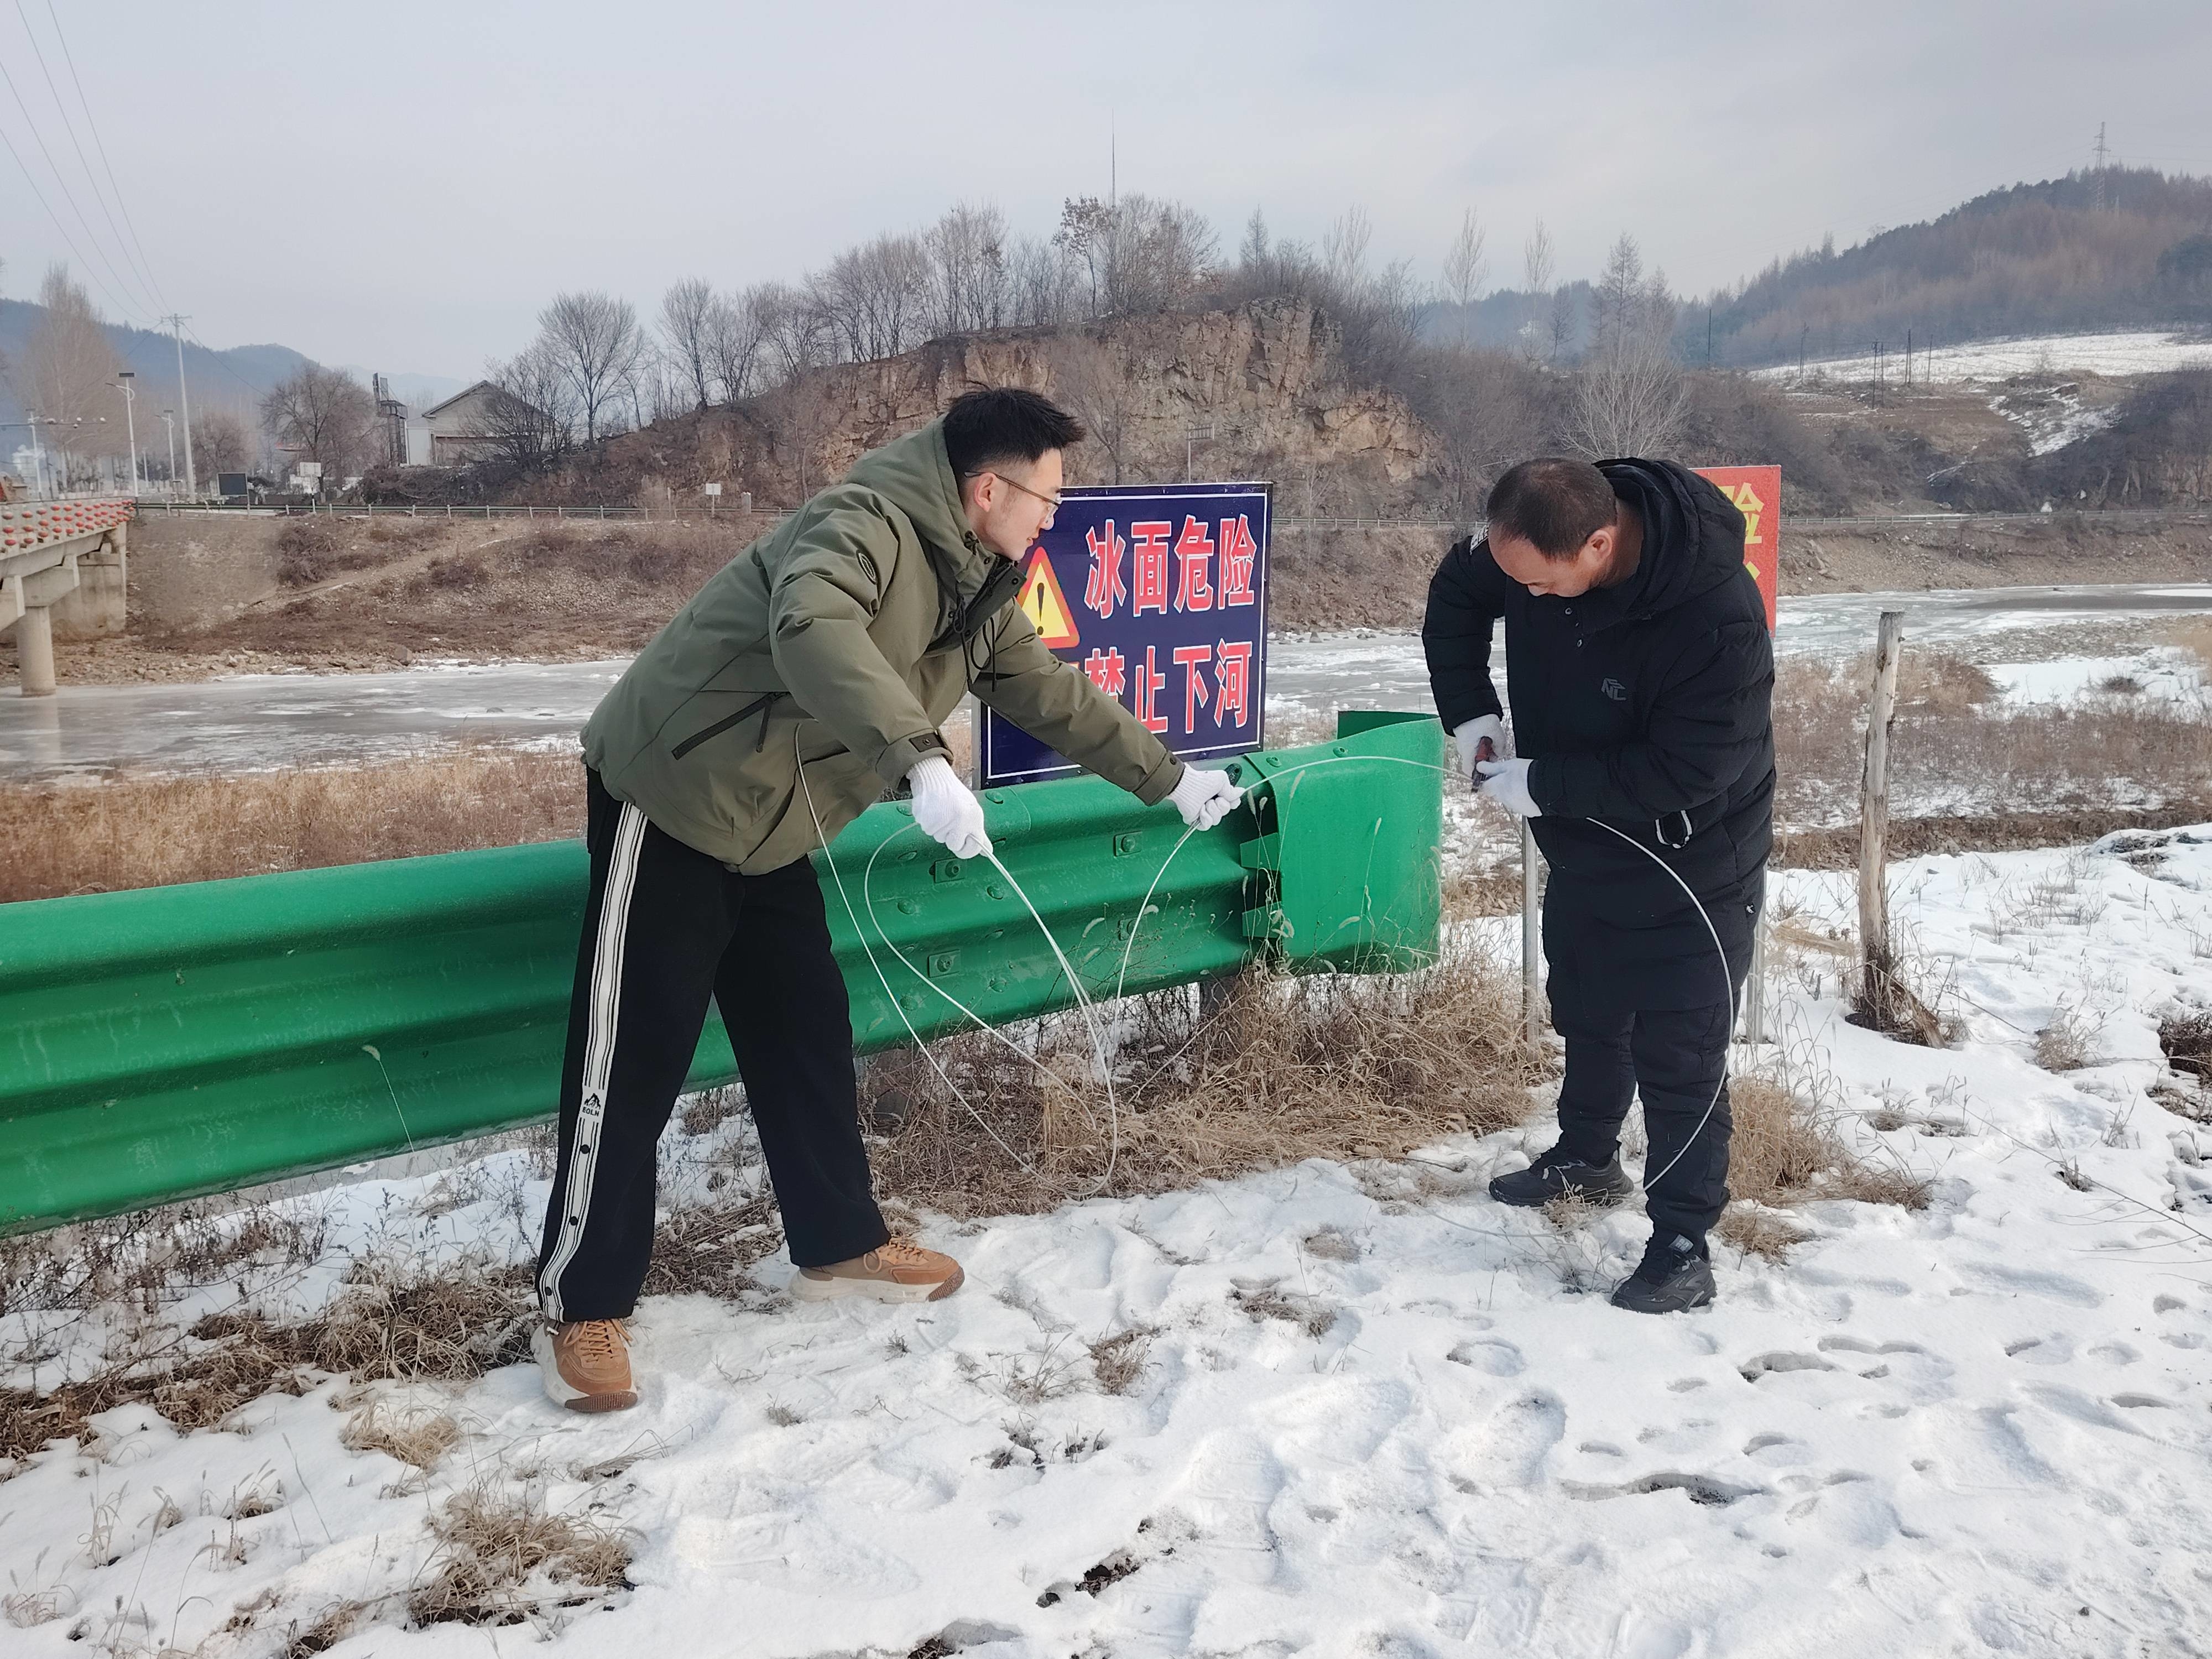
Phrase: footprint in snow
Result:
[1490,1355]
[1226,1494]
[2028,1281]
[798,1554]
[1510,1447]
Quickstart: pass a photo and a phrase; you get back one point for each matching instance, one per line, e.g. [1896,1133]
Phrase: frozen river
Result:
[252,722]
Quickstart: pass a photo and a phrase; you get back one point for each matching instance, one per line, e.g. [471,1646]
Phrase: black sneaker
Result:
[1673,1277]
[1557,1174]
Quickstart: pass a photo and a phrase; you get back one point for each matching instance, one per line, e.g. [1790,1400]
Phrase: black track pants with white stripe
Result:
[665,926]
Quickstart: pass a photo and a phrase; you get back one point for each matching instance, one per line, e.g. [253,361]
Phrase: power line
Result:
[145,290]
[69,196]
[29,179]
[258,392]
[145,266]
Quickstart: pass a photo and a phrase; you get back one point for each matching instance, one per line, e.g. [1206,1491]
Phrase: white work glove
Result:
[944,807]
[1203,797]
[1470,736]
[1506,782]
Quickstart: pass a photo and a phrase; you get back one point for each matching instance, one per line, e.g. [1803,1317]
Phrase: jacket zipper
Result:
[759,705]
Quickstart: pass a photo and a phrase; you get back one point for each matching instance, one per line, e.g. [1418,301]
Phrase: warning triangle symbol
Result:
[1047,606]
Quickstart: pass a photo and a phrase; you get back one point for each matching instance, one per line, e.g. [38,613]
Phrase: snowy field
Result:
[1377,1413]
[2149,352]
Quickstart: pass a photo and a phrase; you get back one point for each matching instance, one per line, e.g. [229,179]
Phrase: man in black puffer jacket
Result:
[1641,679]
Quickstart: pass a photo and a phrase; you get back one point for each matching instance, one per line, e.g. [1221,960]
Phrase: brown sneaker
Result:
[902,1271]
[585,1364]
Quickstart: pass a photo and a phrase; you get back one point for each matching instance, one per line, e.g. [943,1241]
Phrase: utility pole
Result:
[123,378]
[393,413]
[184,402]
[1908,360]
[1804,330]
[169,420]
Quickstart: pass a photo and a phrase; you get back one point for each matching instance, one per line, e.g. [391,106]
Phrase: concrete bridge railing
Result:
[49,551]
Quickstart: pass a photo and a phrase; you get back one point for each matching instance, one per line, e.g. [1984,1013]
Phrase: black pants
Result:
[665,927]
[1677,1060]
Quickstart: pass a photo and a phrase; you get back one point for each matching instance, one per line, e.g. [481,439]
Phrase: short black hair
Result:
[1555,503]
[1001,423]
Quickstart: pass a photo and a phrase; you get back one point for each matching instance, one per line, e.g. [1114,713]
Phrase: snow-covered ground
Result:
[1378,1414]
[2145,352]
[2156,673]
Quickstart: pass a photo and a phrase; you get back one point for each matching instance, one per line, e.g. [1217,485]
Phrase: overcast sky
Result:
[402,185]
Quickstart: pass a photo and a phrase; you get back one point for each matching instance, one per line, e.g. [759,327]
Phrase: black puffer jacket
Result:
[1647,707]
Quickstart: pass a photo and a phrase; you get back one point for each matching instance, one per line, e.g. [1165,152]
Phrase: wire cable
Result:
[69,196]
[83,161]
[145,265]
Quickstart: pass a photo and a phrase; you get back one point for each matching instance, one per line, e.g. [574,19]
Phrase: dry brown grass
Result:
[2187,1041]
[1266,1072]
[1785,1150]
[135,832]
[418,1438]
[502,1559]
[2194,635]
[1119,1361]
[395,1320]
[536,589]
[2041,758]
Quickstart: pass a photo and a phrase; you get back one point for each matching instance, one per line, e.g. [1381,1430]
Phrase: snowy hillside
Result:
[2151,352]
[1335,1409]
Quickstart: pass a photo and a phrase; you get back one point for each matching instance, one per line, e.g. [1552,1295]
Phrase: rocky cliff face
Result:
[1250,393]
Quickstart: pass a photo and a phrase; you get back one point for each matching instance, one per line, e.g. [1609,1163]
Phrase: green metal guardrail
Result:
[176,1041]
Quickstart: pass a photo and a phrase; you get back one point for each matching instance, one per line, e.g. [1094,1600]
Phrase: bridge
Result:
[66,553]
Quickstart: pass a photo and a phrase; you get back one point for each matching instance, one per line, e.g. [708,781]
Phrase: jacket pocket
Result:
[758,706]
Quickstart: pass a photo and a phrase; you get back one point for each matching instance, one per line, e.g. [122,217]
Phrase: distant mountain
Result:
[2125,248]
[2119,248]
[233,380]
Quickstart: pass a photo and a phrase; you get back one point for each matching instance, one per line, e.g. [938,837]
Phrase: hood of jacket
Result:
[916,475]
[1692,537]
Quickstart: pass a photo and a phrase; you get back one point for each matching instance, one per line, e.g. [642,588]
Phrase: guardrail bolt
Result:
[1125,844]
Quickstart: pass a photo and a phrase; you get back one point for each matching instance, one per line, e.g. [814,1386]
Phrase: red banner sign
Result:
[1757,493]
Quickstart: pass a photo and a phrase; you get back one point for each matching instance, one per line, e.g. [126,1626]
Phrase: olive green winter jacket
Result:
[843,637]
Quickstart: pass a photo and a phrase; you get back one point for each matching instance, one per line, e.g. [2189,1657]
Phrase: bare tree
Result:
[1467,267]
[1041,283]
[686,321]
[221,442]
[874,296]
[1560,326]
[1139,256]
[736,330]
[595,339]
[968,268]
[66,378]
[530,425]
[1543,337]
[1539,260]
[325,415]
[1632,402]
[1630,396]
[1344,246]
[795,334]
[1093,379]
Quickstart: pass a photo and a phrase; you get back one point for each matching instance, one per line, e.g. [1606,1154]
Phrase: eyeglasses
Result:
[1052,501]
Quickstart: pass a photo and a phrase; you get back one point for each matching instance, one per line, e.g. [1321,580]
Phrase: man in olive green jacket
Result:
[809,675]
